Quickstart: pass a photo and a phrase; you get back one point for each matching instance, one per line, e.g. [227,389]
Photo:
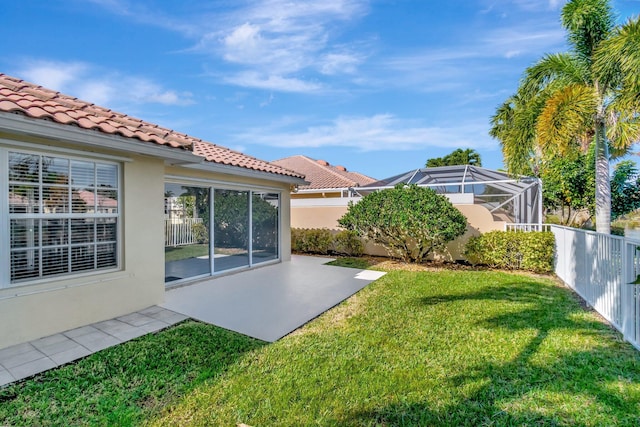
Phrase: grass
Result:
[412,349]
[361,263]
[176,253]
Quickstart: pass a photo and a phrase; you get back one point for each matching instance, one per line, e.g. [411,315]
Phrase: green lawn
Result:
[414,348]
[176,253]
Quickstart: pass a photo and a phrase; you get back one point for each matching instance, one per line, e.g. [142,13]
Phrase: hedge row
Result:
[513,250]
[323,242]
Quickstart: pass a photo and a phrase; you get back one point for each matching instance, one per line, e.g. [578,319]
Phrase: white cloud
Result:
[500,51]
[278,83]
[96,92]
[380,132]
[527,5]
[53,75]
[339,63]
[522,39]
[244,44]
[278,40]
[283,39]
[268,101]
[103,87]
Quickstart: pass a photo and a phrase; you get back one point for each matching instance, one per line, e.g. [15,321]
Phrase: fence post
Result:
[628,293]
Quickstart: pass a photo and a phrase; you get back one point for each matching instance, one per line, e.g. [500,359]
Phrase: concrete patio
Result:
[265,303]
[272,301]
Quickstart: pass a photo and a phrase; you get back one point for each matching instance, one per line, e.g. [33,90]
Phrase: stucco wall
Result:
[317,216]
[53,305]
[478,217]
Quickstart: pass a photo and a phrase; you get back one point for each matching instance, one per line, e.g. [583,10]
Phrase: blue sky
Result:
[378,86]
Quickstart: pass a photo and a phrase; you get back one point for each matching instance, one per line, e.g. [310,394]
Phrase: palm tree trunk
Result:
[603,184]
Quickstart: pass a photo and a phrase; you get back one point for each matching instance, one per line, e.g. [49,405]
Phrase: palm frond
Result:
[566,118]
[623,130]
[521,149]
[511,125]
[502,120]
[620,54]
[554,69]
[588,23]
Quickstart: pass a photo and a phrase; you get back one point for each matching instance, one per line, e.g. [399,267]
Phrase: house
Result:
[88,202]
[488,199]
[319,203]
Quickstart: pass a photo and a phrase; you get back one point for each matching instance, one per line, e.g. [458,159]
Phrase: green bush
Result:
[200,233]
[324,242]
[513,250]
[312,241]
[411,222]
[348,243]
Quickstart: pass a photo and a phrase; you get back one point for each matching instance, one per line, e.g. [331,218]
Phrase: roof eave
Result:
[19,124]
[247,173]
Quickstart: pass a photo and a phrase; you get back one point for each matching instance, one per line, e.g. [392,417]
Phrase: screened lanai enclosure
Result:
[508,198]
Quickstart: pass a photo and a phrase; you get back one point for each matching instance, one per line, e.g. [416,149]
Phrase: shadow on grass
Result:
[127,383]
[351,262]
[557,385]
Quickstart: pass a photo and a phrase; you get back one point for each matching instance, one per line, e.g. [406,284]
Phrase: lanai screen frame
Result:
[521,195]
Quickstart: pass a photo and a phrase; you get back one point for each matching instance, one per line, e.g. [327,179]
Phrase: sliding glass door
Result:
[187,230]
[212,230]
[265,209]
[230,229]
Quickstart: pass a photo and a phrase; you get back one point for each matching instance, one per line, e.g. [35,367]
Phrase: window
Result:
[230,229]
[265,217]
[210,230]
[63,215]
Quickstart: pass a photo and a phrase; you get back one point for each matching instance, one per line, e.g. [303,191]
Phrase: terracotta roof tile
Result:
[218,154]
[40,103]
[9,106]
[322,175]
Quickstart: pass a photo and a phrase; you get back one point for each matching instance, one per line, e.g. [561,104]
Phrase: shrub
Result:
[513,250]
[411,222]
[322,241]
[200,233]
[313,241]
[348,243]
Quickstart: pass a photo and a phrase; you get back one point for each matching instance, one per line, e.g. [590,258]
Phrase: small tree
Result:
[411,222]
[568,186]
[455,158]
[625,189]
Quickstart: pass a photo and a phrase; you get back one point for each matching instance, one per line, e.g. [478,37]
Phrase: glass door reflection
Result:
[231,229]
[187,231]
[264,216]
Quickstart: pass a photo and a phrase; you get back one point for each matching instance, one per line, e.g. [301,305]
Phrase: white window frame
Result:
[5,216]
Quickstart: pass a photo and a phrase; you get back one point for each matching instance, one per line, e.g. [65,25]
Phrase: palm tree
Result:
[589,95]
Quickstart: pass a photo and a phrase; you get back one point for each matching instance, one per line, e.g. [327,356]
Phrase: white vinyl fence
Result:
[599,268]
[179,231]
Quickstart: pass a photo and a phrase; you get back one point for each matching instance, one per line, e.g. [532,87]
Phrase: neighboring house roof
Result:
[18,96]
[321,175]
[89,198]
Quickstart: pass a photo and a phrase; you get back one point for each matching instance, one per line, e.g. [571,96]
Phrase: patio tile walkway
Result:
[25,360]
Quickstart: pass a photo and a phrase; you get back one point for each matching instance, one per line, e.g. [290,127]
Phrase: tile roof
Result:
[217,154]
[322,175]
[18,96]
[89,198]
